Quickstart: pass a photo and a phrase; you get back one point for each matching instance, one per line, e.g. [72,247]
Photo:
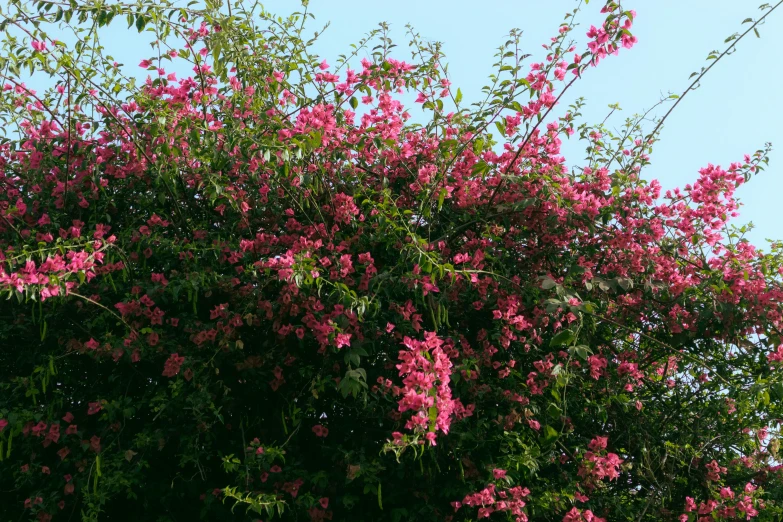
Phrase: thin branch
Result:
[693,85]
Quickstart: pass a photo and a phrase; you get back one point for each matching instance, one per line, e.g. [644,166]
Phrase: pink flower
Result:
[499,473]
[598,443]
[343,340]
[172,365]
[3,424]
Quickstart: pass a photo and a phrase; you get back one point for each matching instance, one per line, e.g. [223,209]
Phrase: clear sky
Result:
[735,111]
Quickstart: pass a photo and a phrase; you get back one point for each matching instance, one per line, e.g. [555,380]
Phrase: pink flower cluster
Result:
[603,40]
[491,500]
[173,364]
[576,515]
[426,371]
[727,505]
[598,464]
[46,278]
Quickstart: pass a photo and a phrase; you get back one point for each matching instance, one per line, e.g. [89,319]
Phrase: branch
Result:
[693,85]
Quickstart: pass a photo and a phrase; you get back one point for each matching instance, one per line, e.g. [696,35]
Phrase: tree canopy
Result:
[271,290]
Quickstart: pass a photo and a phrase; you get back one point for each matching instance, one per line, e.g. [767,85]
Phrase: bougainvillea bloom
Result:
[207,259]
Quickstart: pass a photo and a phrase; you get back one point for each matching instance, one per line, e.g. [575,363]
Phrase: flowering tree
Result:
[267,289]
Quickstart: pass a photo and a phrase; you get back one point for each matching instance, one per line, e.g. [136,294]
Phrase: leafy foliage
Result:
[268,290]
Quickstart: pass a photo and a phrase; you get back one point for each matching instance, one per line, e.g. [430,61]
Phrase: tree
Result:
[265,291]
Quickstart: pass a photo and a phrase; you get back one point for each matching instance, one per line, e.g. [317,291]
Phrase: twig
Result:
[693,85]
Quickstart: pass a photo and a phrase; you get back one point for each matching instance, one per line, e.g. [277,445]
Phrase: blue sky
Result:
[735,111]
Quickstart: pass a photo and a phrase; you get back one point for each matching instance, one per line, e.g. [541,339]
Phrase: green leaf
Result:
[625,283]
[458,97]
[583,351]
[550,435]
[563,338]
[481,167]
